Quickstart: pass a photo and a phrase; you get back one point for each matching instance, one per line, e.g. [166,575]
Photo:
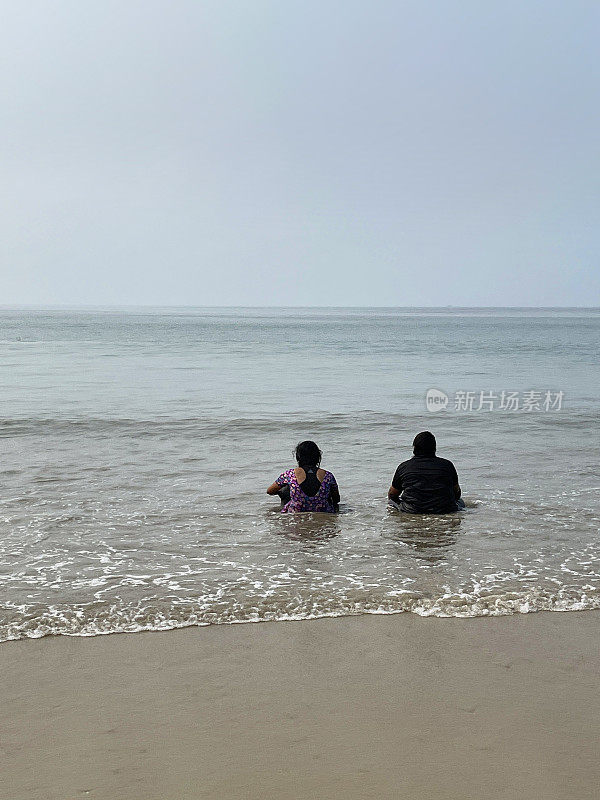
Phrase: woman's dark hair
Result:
[308,454]
[424,444]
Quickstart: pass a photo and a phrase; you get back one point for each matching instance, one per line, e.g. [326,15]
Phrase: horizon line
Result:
[75,306]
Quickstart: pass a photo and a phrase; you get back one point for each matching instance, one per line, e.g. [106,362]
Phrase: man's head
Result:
[424,444]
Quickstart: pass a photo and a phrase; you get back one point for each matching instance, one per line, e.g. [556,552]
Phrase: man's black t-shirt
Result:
[427,485]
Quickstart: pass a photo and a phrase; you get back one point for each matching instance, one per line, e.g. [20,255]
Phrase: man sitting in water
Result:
[426,484]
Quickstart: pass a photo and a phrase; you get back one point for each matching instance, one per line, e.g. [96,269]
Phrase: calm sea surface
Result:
[137,446]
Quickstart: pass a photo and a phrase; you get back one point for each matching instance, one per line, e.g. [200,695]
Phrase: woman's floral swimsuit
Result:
[301,502]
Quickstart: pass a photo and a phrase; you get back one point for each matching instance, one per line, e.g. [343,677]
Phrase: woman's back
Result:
[310,489]
[307,487]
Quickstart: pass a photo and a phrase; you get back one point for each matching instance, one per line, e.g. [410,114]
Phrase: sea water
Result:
[137,445]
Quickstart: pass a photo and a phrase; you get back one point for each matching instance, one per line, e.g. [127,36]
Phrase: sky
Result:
[300,153]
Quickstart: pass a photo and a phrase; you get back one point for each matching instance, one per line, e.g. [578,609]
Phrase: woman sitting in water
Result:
[307,487]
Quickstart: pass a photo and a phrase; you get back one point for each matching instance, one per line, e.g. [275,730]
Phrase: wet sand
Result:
[358,707]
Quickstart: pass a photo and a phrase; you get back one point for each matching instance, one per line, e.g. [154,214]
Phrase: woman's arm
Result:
[334,494]
[282,480]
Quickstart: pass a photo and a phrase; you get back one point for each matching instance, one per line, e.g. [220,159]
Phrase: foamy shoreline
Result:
[370,706]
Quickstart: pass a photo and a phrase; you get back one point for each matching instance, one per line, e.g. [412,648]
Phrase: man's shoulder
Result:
[424,463]
[445,462]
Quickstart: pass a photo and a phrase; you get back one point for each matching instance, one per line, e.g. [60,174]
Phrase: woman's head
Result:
[307,453]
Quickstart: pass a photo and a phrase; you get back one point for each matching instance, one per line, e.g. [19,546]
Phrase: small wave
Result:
[97,620]
[159,426]
[190,428]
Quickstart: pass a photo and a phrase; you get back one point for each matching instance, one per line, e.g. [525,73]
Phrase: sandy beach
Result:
[357,707]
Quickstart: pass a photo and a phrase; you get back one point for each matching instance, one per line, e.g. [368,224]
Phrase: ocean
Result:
[137,445]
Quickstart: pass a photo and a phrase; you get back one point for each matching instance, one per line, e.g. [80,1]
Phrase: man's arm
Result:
[395,489]
[455,485]
[393,494]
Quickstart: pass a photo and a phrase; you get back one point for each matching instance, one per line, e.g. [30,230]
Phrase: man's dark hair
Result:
[308,454]
[424,444]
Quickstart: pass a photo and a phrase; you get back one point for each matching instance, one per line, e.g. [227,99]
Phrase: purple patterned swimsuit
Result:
[301,502]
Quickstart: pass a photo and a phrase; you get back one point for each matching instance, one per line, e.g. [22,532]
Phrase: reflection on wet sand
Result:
[310,526]
[428,535]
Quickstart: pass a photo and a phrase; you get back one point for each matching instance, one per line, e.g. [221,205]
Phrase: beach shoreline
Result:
[354,707]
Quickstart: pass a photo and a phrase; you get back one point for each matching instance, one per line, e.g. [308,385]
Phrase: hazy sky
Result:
[284,152]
